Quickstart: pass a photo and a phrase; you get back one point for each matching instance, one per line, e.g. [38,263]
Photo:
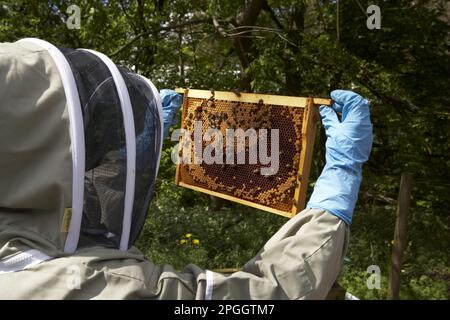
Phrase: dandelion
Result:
[188,235]
[182,241]
[196,242]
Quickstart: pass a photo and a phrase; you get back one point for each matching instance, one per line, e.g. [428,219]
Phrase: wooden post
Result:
[399,236]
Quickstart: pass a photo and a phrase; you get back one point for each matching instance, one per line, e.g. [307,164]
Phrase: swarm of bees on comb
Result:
[247,182]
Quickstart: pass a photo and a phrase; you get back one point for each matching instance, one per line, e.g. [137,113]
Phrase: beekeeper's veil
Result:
[80,142]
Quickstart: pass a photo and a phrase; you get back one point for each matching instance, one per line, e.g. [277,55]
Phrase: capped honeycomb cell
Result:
[210,116]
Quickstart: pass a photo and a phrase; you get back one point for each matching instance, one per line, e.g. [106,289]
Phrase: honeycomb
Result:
[245,181]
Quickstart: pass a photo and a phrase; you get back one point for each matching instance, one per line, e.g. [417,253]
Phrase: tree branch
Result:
[159,29]
[380,197]
[394,101]
[273,15]
[243,45]
[130,20]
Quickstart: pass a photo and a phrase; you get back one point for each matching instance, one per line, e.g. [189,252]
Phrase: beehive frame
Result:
[303,112]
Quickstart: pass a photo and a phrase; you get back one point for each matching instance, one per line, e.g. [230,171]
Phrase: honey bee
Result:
[234,107]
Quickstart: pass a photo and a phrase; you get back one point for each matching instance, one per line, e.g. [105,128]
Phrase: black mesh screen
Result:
[105,150]
[148,142]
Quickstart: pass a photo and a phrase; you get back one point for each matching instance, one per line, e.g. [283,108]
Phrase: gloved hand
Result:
[348,146]
[171,102]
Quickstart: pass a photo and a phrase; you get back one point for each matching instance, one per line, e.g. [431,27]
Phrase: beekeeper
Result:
[80,143]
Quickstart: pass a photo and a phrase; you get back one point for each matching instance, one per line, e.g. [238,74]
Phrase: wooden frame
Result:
[307,134]
[308,137]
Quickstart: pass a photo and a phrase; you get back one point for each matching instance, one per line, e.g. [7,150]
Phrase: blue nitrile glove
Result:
[171,102]
[348,146]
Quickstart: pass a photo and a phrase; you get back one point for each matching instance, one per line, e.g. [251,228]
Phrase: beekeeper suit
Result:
[80,142]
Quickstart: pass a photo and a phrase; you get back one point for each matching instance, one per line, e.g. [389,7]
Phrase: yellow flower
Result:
[196,241]
[182,241]
[188,235]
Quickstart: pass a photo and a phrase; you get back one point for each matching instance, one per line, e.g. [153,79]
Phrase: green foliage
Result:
[354,281]
[403,69]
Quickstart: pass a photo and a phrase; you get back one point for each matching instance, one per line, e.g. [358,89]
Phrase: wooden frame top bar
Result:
[255,98]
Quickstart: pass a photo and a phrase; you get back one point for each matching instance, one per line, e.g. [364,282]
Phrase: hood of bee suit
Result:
[80,143]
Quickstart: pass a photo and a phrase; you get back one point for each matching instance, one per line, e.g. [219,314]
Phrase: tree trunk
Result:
[399,236]
[243,42]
